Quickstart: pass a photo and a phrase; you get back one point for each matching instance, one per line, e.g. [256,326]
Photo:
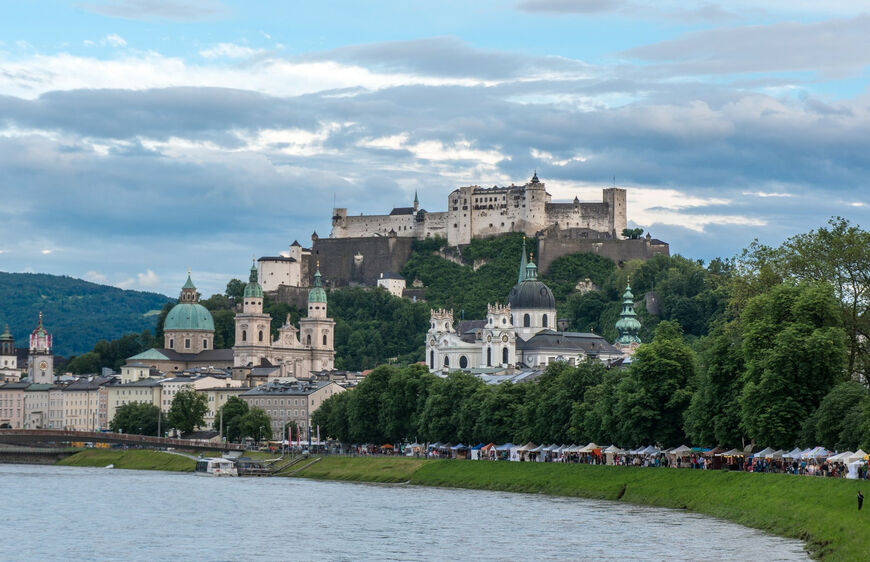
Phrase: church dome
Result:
[189,316]
[531,293]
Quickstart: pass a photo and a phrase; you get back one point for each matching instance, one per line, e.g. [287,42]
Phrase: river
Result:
[54,512]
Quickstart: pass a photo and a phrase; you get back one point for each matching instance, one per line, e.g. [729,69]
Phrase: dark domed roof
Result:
[531,293]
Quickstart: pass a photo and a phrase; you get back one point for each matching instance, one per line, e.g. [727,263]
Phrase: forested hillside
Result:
[77,313]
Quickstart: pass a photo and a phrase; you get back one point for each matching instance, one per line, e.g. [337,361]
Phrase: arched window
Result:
[544,321]
[244,335]
[324,339]
[308,339]
[432,359]
[260,335]
[527,321]
[171,343]
[504,355]
[489,357]
[446,361]
[205,344]
[463,362]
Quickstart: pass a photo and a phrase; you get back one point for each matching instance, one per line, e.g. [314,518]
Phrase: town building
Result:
[12,405]
[290,402]
[393,283]
[479,212]
[145,391]
[36,406]
[188,334]
[40,364]
[217,397]
[296,351]
[520,334]
[84,406]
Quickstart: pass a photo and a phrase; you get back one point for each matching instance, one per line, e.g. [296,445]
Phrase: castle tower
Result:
[253,327]
[628,326]
[318,329]
[189,326]
[40,364]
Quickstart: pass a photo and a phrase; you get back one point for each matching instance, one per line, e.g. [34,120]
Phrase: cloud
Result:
[230,51]
[767,194]
[148,279]
[835,47]
[95,276]
[178,10]
[112,40]
[686,12]
[46,252]
[571,6]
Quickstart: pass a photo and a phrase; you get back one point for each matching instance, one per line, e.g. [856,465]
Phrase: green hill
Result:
[77,313]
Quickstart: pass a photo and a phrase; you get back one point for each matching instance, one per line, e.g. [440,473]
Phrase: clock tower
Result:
[40,364]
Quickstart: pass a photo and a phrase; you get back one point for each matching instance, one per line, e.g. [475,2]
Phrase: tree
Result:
[632,233]
[795,352]
[231,413]
[256,425]
[235,290]
[839,415]
[187,411]
[136,417]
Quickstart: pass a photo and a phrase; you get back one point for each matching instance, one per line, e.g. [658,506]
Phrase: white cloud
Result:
[148,279]
[95,276]
[114,40]
[126,283]
[857,204]
[767,194]
[229,51]
[46,252]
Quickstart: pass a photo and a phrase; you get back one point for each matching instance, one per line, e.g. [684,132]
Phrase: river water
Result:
[72,513]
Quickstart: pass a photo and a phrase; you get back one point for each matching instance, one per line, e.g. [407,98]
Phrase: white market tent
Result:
[793,454]
[680,451]
[841,457]
[857,456]
[588,448]
[775,455]
[762,454]
[614,450]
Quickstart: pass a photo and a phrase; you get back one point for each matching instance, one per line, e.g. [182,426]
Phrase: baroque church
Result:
[298,352]
[188,334]
[40,360]
[519,334]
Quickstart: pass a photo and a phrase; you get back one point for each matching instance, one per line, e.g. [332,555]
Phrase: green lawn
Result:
[362,469]
[821,511]
[139,459]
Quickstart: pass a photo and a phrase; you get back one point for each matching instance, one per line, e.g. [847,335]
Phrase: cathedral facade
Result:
[519,334]
[297,351]
[479,212]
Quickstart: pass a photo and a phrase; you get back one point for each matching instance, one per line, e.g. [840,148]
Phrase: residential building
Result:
[290,402]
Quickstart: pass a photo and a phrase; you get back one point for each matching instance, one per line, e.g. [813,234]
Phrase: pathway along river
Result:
[54,512]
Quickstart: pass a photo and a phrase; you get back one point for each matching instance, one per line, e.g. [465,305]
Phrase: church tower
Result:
[9,371]
[253,327]
[40,364]
[628,326]
[317,330]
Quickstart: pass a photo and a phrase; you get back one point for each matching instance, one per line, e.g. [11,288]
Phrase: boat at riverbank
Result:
[216,466]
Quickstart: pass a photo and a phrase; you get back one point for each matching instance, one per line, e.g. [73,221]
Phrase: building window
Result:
[171,343]
[527,321]
[446,361]
[244,335]
[544,321]
[463,362]
[260,335]
[489,357]
[324,339]
[205,344]
[504,355]
[186,343]
[308,339]
[432,359]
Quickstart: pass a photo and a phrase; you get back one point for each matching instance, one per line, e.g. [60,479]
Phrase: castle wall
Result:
[361,260]
[551,248]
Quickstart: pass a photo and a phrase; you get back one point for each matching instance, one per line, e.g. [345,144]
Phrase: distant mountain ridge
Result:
[77,313]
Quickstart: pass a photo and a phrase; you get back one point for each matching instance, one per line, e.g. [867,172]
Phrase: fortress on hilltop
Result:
[480,212]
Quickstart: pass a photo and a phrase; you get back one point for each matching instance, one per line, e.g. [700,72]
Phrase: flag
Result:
[318,434]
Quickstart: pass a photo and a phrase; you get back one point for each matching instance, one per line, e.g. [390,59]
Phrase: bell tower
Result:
[40,363]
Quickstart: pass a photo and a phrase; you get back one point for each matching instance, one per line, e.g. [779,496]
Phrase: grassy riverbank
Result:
[822,512]
[138,459]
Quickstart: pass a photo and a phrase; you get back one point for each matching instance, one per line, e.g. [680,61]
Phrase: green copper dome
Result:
[628,325]
[188,316]
[253,289]
[317,294]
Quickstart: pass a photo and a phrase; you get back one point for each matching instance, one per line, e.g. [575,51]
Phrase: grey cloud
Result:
[689,13]
[447,56]
[178,10]
[837,47]
[571,6]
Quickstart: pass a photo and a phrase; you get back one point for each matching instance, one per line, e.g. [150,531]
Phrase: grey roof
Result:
[276,388]
[402,211]
[296,243]
[470,326]
[143,382]
[531,293]
[15,385]
[277,258]
[590,344]
[84,384]
[207,355]
[391,275]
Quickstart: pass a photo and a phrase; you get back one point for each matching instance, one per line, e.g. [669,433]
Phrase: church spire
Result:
[416,201]
[628,326]
[522,276]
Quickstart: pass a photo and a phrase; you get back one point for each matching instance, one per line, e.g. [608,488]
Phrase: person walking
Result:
[860,500]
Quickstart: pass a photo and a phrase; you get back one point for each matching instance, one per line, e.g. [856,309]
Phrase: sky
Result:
[140,138]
